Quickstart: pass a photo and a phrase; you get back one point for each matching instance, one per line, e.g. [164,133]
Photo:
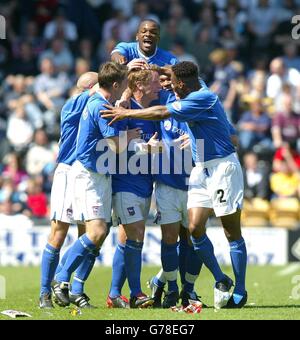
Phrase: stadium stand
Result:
[251,63]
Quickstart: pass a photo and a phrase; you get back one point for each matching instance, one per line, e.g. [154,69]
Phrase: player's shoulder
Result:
[167,57]
[202,94]
[96,103]
[126,45]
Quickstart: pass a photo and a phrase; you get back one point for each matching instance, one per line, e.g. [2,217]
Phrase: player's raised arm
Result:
[118,58]
[151,113]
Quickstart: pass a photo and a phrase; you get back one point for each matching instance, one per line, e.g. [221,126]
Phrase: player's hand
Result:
[119,58]
[123,103]
[154,145]
[114,113]
[134,134]
[140,64]
[184,141]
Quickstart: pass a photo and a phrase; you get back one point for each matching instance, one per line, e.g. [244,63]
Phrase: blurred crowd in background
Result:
[244,49]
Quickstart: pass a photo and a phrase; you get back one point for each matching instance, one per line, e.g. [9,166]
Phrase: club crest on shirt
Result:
[131,211]
[177,105]
[70,213]
[96,210]
[167,125]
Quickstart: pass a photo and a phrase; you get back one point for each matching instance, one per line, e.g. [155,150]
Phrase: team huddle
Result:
[163,109]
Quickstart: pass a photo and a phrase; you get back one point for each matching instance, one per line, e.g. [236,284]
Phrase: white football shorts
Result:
[171,205]
[61,195]
[218,184]
[130,208]
[92,194]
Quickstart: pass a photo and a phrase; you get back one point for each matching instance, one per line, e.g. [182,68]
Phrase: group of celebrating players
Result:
[163,107]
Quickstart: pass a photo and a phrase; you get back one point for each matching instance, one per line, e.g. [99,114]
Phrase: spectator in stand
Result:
[281,76]
[285,183]
[105,50]
[207,19]
[60,55]
[13,169]
[50,89]
[184,24]
[169,34]
[286,124]
[86,51]
[40,154]
[19,129]
[13,219]
[8,192]
[36,199]
[26,63]
[289,154]
[256,176]
[18,94]
[224,80]
[116,28]
[141,12]
[254,128]
[262,23]
[290,57]
[179,50]
[61,28]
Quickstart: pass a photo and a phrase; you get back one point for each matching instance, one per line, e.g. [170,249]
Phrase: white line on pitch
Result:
[290,269]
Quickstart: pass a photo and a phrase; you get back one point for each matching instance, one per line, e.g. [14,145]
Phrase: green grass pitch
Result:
[271,296]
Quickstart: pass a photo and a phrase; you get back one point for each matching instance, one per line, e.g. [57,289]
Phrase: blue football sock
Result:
[182,249]
[193,268]
[62,261]
[205,251]
[81,248]
[82,273]
[169,260]
[49,264]
[238,254]
[133,266]
[118,272]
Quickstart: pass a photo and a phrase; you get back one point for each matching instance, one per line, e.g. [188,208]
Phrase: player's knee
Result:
[170,237]
[57,239]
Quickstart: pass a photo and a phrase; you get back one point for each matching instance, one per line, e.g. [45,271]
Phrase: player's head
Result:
[112,77]
[148,36]
[185,78]
[87,80]
[145,83]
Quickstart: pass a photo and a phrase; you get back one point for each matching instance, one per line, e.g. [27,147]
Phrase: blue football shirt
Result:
[141,183]
[132,51]
[70,118]
[207,121]
[93,129]
[173,170]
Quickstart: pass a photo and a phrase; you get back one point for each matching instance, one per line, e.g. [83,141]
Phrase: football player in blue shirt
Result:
[91,181]
[145,48]
[216,182]
[61,207]
[132,195]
